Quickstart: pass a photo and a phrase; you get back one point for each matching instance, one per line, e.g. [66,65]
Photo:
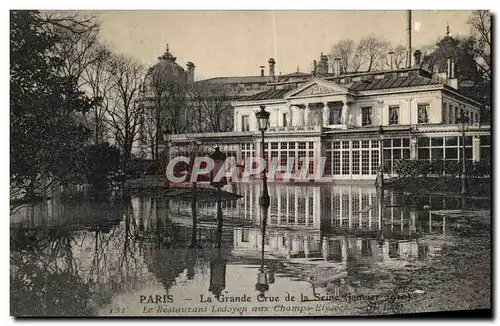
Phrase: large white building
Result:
[339,116]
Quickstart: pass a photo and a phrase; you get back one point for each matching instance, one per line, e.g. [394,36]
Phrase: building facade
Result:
[353,120]
[340,118]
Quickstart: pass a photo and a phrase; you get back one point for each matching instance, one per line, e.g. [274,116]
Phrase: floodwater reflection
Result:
[105,258]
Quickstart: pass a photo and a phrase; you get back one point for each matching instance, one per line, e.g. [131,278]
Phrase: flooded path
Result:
[337,250]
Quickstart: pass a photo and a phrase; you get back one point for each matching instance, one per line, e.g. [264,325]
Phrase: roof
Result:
[166,70]
[267,95]
[296,74]
[375,84]
[240,80]
[392,82]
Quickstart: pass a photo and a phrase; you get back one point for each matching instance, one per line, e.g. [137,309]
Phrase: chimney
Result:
[408,30]
[323,65]
[190,72]
[448,67]
[262,71]
[315,68]
[336,66]
[450,79]
[417,56]
[272,64]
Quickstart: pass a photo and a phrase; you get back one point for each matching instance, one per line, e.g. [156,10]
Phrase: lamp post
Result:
[219,158]
[380,176]
[264,200]
[194,193]
[262,122]
[262,284]
[463,124]
[168,144]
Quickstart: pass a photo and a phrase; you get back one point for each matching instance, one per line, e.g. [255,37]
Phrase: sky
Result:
[236,43]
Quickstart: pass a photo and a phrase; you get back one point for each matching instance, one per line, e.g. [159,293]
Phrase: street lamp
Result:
[194,193]
[263,122]
[167,138]
[262,284]
[218,158]
[380,175]
[463,124]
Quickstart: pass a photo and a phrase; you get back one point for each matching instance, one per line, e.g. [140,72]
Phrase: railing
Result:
[452,127]
[210,135]
[295,129]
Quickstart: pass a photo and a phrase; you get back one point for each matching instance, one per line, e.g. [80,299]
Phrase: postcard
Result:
[250,163]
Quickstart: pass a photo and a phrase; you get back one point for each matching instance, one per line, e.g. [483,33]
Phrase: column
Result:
[306,115]
[326,114]
[346,114]
[476,148]
[350,207]
[296,205]
[287,205]
[278,194]
[344,249]
[324,248]
[306,208]
[413,148]
[381,117]
[413,115]
[341,208]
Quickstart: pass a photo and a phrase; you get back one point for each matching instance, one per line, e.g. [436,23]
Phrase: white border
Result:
[186,4]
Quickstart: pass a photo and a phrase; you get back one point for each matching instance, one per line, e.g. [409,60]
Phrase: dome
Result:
[166,71]
[450,47]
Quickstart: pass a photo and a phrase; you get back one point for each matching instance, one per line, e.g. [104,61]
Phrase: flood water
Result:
[351,249]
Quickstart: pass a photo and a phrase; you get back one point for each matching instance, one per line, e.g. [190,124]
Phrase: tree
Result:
[398,58]
[480,22]
[343,49]
[124,115]
[369,54]
[76,42]
[46,107]
[371,50]
[211,105]
[98,83]
[102,164]
[167,113]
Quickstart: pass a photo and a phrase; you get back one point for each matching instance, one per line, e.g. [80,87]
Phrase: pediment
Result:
[318,88]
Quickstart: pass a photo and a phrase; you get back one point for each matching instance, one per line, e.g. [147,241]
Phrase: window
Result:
[335,115]
[245,235]
[345,162]
[366,115]
[423,113]
[393,115]
[365,162]
[395,149]
[245,125]
[355,162]
[394,250]
[284,119]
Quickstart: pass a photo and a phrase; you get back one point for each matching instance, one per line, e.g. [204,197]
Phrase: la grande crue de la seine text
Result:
[163,299]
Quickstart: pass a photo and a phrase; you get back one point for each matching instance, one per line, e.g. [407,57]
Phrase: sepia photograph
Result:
[250,163]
